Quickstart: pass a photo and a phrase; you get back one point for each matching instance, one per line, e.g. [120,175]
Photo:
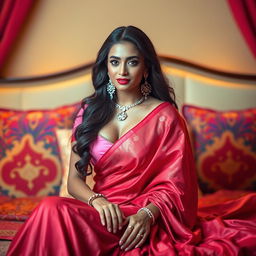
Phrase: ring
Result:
[131,227]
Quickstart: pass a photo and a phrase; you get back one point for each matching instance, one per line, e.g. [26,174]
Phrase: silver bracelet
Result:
[91,198]
[149,212]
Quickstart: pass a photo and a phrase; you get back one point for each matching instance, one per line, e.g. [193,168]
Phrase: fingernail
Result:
[122,247]
[120,243]
[126,249]
[109,229]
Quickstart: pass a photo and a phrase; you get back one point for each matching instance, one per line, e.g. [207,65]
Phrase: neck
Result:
[124,98]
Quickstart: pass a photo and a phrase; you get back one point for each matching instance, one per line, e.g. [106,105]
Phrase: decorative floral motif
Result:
[64,116]
[29,168]
[224,146]
[29,155]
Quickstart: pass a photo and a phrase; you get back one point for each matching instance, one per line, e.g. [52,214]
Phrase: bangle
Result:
[149,212]
[91,198]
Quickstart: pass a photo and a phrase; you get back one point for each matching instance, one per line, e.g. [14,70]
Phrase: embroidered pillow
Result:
[224,146]
[64,116]
[29,154]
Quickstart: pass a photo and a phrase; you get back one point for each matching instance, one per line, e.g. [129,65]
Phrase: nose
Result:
[123,69]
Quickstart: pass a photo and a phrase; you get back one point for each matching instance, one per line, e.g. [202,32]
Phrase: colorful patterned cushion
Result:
[29,154]
[224,146]
[64,116]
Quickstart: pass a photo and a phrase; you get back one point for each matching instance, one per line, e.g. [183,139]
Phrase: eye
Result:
[133,63]
[114,62]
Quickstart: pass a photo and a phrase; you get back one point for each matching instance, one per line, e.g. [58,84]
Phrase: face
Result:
[126,66]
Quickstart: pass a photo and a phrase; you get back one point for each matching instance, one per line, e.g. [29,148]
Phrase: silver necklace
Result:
[123,115]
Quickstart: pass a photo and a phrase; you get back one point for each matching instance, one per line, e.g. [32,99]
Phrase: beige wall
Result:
[62,34]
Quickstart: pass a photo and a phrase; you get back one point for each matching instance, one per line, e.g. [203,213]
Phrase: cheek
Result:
[138,75]
[111,71]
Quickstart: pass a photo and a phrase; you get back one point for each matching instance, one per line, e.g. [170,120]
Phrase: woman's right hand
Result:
[110,214]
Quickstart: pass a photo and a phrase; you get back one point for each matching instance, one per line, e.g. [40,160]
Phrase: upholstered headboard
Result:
[191,86]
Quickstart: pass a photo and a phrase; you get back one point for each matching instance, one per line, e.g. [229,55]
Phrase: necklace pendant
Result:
[122,116]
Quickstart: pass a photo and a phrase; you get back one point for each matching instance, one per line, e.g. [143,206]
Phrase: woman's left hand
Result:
[136,232]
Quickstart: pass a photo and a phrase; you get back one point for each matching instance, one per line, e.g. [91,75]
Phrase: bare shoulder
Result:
[171,110]
[151,103]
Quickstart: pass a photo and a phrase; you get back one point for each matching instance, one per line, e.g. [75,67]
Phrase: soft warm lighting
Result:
[204,79]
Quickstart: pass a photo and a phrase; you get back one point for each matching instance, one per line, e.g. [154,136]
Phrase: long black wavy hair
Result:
[99,107]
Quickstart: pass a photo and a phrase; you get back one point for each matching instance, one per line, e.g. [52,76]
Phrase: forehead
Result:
[123,50]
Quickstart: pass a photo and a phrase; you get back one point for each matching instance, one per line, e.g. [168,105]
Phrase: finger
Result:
[108,218]
[119,217]
[102,217]
[142,241]
[114,218]
[139,237]
[127,232]
[131,237]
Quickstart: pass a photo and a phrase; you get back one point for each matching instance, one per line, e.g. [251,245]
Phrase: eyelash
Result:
[135,62]
[116,62]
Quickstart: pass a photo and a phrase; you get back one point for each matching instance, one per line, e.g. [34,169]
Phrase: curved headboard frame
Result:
[192,84]
[165,60]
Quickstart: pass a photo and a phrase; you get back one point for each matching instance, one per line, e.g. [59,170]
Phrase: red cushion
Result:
[225,147]
[29,155]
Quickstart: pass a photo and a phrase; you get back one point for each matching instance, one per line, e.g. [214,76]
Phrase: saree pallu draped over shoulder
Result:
[151,163]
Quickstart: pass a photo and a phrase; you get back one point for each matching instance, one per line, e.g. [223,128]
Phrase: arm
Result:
[77,187]
[110,214]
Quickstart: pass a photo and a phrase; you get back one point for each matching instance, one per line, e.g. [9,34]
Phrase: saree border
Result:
[118,142]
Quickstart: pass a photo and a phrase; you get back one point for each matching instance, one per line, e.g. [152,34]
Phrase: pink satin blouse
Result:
[99,147]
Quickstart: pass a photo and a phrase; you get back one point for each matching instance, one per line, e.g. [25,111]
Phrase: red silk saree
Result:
[153,163]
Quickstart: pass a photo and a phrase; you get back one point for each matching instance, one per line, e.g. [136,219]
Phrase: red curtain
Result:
[244,12]
[12,15]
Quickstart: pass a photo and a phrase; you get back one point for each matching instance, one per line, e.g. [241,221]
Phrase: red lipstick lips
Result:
[123,81]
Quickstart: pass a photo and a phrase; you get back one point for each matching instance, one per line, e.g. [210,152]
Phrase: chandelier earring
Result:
[111,89]
[146,88]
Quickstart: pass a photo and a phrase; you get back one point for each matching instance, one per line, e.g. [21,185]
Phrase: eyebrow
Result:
[128,58]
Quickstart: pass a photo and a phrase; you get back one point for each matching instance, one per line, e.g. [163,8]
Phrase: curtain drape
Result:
[244,12]
[12,16]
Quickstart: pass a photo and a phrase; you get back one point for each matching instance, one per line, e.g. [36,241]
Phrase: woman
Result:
[144,201]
